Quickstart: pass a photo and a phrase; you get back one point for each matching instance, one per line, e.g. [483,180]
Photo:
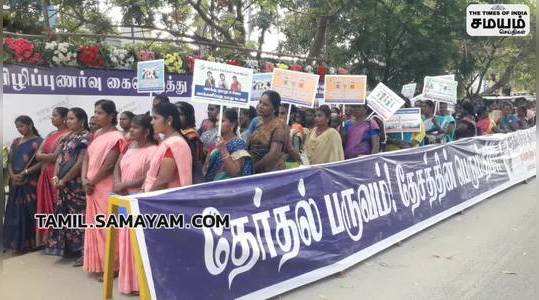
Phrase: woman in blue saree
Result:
[230,157]
[19,224]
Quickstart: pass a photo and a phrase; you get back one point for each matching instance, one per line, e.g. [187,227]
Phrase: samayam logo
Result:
[498,20]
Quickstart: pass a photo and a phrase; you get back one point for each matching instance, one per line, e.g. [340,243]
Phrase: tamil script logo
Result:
[497,20]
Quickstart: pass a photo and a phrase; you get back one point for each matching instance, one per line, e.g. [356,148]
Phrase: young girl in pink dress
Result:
[97,180]
[129,175]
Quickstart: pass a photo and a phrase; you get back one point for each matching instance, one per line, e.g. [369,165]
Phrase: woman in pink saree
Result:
[97,180]
[171,165]
[129,175]
[47,194]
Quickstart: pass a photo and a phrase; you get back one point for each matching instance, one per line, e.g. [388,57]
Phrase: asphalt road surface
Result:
[490,251]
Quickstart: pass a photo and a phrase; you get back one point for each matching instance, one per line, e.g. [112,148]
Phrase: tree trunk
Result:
[319,38]
[45,8]
[261,38]
[507,74]
[239,26]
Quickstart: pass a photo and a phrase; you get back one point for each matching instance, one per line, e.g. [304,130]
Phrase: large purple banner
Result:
[293,227]
[70,81]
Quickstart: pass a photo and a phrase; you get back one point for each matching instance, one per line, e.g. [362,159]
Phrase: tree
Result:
[23,16]
[265,17]
[397,42]
[27,16]
[510,61]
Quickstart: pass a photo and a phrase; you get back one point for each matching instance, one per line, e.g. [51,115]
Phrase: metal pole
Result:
[220,119]
[288,116]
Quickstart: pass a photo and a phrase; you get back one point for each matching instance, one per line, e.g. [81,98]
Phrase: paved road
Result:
[488,252]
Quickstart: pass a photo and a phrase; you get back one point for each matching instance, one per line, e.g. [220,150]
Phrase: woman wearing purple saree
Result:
[361,136]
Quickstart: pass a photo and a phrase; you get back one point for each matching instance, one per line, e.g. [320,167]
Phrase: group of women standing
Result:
[73,171]
[76,167]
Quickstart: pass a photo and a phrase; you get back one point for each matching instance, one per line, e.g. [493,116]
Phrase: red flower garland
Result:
[268,67]
[90,56]
[143,55]
[296,67]
[191,62]
[23,51]
[322,71]
[234,62]
[342,71]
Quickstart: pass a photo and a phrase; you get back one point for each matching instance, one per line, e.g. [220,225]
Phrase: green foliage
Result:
[23,16]
[392,41]
[402,41]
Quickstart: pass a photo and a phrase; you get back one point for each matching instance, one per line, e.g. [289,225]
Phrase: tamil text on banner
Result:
[293,227]
[440,89]
[345,89]
[221,84]
[404,120]
[36,91]
[383,101]
[408,90]
[261,83]
[296,88]
[151,76]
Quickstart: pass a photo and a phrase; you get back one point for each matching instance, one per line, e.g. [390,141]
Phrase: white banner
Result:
[221,84]
[383,101]
[404,120]
[440,89]
[151,76]
[446,77]
[261,83]
[297,88]
[408,90]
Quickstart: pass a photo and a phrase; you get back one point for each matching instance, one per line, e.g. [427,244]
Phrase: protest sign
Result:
[408,90]
[404,120]
[440,89]
[151,76]
[326,218]
[383,101]
[345,89]
[297,88]
[221,84]
[446,77]
[261,83]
